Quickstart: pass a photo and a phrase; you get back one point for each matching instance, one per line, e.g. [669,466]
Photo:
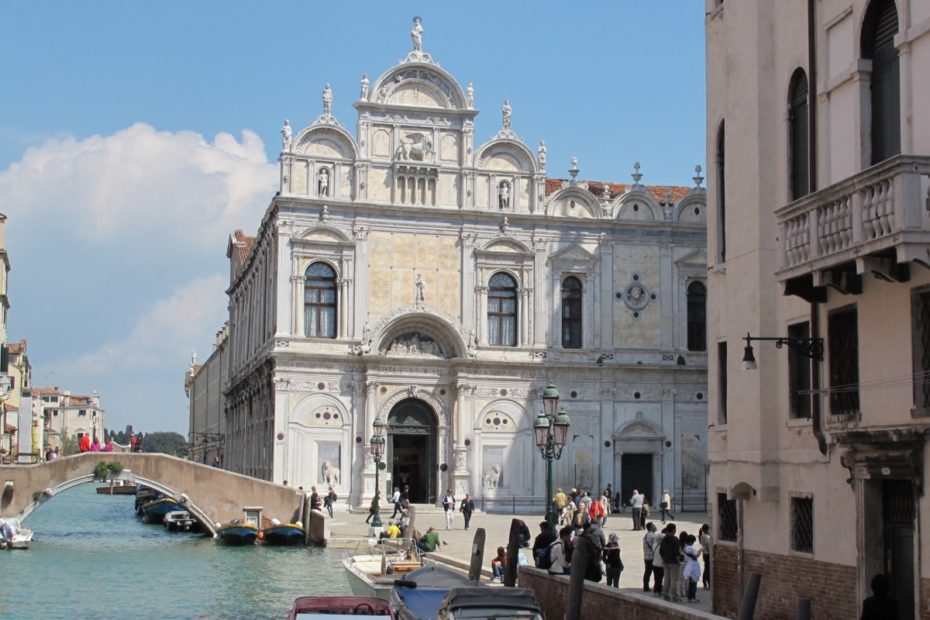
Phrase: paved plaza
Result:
[458,541]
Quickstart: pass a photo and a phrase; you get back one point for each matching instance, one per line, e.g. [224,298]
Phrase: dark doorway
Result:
[412,449]
[636,473]
[898,512]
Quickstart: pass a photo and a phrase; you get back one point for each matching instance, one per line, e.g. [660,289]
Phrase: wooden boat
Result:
[117,487]
[156,510]
[420,594]
[145,495]
[374,574]
[237,532]
[485,602]
[181,521]
[283,534]
[323,607]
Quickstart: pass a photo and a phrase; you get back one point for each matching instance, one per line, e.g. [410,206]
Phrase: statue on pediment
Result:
[416,35]
[286,134]
[327,100]
[507,112]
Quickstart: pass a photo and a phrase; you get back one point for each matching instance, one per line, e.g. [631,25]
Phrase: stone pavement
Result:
[458,541]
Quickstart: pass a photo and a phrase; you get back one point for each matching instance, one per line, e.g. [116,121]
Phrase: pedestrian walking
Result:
[467,507]
[609,494]
[448,504]
[669,551]
[605,508]
[395,499]
[666,506]
[636,502]
[612,561]
[329,500]
[649,540]
[372,508]
[706,543]
[644,514]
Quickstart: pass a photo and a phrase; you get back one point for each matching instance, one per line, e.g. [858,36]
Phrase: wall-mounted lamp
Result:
[808,347]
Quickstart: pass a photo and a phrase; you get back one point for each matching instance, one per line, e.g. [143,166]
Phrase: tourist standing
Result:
[84,443]
[666,506]
[395,499]
[560,553]
[560,500]
[467,507]
[706,543]
[95,446]
[329,500]
[315,503]
[649,540]
[541,551]
[592,541]
[605,508]
[636,502]
[596,512]
[108,445]
[404,521]
[448,504]
[658,566]
[669,551]
[692,570]
[609,494]
[612,561]
[880,606]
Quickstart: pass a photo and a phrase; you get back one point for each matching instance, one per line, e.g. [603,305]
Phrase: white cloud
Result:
[142,184]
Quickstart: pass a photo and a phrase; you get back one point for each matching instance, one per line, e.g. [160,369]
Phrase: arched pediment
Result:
[692,208]
[503,416]
[505,155]
[320,411]
[325,142]
[637,205]
[324,233]
[419,84]
[638,429]
[508,245]
[574,201]
[418,333]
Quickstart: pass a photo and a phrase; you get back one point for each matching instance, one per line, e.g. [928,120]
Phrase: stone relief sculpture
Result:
[503,195]
[472,342]
[492,477]
[470,96]
[418,149]
[364,94]
[415,344]
[416,35]
[421,289]
[507,113]
[323,182]
[330,473]
[327,100]
[286,134]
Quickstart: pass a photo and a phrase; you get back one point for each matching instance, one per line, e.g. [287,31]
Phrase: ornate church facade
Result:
[405,273]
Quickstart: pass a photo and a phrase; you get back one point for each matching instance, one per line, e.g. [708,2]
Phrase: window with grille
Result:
[802,524]
[878,31]
[920,328]
[697,317]
[798,122]
[571,313]
[721,383]
[799,375]
[843,335]
[502,310]
[320,301]
[726,517]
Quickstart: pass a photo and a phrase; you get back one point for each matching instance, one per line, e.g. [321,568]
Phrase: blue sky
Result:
[135,136]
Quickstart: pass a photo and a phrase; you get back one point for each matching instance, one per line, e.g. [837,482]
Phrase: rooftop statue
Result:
[508,112]
[327,100]
[416,34]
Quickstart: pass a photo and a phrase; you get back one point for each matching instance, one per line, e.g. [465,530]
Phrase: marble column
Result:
[460,473]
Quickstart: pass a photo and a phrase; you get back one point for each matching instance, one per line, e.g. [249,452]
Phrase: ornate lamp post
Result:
[551,432]
[377,450]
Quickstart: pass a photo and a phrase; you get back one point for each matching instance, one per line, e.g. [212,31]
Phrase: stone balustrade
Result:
[882,209]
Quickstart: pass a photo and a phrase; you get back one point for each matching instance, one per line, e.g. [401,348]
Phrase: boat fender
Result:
[261,535]
[405,583]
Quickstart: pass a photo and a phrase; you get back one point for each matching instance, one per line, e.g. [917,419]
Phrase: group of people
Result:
[135,442]
[85,444]
[639,505]
[578,507]
[327,501]
[553,550]
[672,561]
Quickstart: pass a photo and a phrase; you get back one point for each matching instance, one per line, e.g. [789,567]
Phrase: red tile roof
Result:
[676,192]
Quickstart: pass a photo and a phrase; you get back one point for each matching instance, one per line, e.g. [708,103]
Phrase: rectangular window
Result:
[721,383]
[802,524]
[843,334]
[920,329]
[799,375]
[726,513]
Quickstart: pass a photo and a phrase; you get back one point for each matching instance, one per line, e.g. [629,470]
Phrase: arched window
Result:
[798,135]
[502,310]
[571,313]
[697,317]
[320,301]
[878,31]
[721,196]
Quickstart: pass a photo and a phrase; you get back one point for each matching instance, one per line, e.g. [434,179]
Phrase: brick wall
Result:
[925,599]
[785,579]
[601,601]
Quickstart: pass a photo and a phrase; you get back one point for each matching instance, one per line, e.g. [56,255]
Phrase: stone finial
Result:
[364,86]
[286,134]
[416,34]
[698,179]
[637,176]
[507,112]
[574,169]
[605,193]
[327,100]
[470,96]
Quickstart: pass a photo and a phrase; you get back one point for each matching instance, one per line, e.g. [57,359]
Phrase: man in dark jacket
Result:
[670,552]
[547,536]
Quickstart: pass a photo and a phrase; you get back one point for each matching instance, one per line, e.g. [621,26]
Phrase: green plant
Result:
[100,471]
[114,467]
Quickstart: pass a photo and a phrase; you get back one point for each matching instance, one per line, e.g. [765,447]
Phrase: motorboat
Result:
[485,602]
[13,535]
[420,594]
[374,573]
[236,532]
[283,534]
[156,510]
[118,487]
[336,607]
[180,521]
[145,495]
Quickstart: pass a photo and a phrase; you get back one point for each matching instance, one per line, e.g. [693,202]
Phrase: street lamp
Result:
[806,346]
[377,449]
[551,428]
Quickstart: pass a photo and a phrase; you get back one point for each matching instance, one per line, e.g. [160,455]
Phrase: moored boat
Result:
[373,574]
[180,521]
[236,532]
[420,594]
[13,535]
[118,487]
[485,602]
[323,607]
[283,534]
[156,510]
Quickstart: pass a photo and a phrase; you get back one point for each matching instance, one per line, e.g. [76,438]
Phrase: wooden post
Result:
[477,556]
[305,516]
[747,607]
[576,581]
[517,526]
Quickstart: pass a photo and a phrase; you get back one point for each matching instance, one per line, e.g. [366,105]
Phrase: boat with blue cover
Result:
[236,532]
[156,510]
[283,534]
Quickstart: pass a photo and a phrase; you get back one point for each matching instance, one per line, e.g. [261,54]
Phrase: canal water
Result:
[92,557]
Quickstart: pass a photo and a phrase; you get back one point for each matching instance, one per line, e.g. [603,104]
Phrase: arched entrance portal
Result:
[411,449]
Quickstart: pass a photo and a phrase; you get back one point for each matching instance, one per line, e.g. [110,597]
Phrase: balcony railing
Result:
[880,209]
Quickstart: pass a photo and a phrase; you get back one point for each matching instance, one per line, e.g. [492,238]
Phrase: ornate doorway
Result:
[411,449]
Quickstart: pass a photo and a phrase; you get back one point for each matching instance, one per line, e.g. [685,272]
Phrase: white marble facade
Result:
[411,220]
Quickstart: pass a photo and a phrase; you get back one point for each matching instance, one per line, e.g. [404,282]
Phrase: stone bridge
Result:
[214,495]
